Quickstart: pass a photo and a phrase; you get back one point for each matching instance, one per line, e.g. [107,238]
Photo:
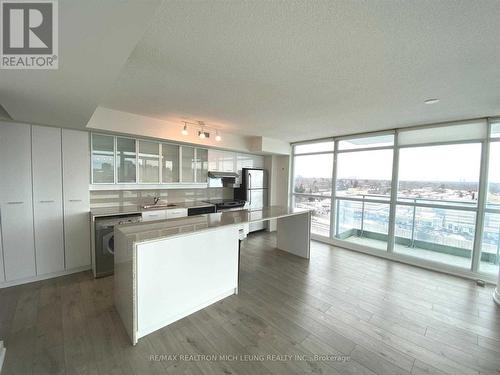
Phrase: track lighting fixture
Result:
[203,130]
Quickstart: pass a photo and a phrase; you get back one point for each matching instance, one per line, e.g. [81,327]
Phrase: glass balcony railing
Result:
[440,231]
[320,206]
[363,217]
[435,230]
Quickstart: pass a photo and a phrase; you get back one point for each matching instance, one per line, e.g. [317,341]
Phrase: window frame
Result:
[479,209]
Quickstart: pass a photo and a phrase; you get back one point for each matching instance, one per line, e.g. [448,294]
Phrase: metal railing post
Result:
[337,215]
[412,243]
[362,216]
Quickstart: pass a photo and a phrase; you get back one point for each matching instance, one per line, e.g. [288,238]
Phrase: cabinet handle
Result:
[47,201]
[75,200]
[15,202]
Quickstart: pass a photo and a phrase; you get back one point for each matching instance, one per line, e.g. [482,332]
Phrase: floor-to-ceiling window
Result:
[440,211]
[312,183]
[363,189]
[437,202]
[490,247]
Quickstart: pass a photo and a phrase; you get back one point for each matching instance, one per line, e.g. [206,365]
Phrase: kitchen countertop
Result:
[137,209]
[157,230]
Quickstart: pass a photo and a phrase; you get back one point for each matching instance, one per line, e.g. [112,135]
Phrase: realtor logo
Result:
[29,37]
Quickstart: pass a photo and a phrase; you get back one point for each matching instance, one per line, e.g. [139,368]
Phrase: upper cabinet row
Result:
[125,160]
[128,161]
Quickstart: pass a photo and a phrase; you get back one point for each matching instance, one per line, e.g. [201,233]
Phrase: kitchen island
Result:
[168,269]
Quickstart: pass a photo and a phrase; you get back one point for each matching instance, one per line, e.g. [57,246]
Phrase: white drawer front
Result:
[177,212]
[154,215]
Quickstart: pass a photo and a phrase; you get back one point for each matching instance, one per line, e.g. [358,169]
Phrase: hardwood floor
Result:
[364,314]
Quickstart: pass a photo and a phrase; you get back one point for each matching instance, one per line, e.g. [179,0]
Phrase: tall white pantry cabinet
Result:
[44,202]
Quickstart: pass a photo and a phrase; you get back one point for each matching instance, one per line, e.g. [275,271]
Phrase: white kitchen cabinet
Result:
[16,209]
[103,159]
[243,161]
[169,163]
[221,161]
[76,177]
[187,163]
[257,161]
[47,199]
[201,165]
[149,162]
[227,162]
[154,215]
[213,156]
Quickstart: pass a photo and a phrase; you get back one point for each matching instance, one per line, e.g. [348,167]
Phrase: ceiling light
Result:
[185,130]
[217,136]
[201,134]
[432,101]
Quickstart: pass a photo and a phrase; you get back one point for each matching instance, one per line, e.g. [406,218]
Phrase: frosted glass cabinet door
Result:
[103,159]
[227,163]
[169,163]
[188,164]
[201,165]
[149,162]
[125,160]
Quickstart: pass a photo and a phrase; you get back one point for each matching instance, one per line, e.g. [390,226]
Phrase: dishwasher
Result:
[105,242]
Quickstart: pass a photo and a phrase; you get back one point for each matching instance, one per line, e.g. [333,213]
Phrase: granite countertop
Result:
[157,230]
[137,209]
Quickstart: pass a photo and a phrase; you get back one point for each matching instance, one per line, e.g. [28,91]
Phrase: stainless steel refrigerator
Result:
[253,189]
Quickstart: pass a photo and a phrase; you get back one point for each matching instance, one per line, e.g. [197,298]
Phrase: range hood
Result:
[217,174]
[223,179]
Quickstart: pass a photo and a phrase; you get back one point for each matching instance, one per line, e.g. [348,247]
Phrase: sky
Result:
[431,163]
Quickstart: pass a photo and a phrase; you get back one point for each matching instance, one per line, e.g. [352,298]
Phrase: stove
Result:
[227,204]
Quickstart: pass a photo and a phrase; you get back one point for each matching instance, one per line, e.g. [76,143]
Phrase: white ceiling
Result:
[95,39]
[303,69]
[289,70]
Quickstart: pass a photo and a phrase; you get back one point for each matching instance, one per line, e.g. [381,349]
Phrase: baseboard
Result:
[2,355]
[46,276]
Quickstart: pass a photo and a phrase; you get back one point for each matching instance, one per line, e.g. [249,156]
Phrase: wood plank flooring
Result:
[363,314]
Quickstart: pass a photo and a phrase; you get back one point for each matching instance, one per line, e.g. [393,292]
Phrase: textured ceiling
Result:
[95,39]
[304,69]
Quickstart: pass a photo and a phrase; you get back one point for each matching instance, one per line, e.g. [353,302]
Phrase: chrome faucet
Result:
[156,199]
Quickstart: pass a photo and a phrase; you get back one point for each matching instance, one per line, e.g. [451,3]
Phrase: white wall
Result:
[265,145]
[111,120]
[278,169]
[128,123]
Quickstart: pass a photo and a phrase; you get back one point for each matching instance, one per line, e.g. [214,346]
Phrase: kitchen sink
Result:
[154,206]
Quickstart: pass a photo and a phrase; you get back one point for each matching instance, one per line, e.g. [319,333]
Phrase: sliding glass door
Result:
[426,194]
[437,202]
[312,183]
[363,190]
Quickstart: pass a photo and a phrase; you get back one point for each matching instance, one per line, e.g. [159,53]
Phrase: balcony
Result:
[434,230]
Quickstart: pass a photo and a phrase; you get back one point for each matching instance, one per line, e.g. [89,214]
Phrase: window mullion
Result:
[482,196]
[334,190]
[394,194]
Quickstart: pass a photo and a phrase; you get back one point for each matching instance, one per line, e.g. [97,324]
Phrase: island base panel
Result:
[178,276]
[294,234]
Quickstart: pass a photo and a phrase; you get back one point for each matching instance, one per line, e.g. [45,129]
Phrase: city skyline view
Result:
[436,204]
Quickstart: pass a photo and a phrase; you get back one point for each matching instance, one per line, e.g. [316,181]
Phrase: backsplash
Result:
[120,198]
